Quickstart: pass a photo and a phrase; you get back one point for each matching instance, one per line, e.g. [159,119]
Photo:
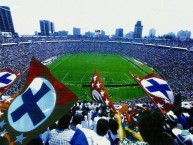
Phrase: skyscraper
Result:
[6,22]
[46,27]
[76,31]
[52,28]
[138,30]
[152,33]
[119,32]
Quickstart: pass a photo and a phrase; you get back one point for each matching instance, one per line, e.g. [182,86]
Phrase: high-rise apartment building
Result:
[6,22]
[46,27]
[138,30]
[76,31]
[119,32]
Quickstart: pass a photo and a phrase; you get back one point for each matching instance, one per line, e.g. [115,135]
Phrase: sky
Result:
[163,15]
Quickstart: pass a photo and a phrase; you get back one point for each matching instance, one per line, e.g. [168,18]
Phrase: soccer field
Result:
[76,70]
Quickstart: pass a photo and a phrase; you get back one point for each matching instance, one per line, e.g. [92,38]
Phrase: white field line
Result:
[128,77]
[59,63]
[65,76]
[84,97]
[81,80]
[124,81]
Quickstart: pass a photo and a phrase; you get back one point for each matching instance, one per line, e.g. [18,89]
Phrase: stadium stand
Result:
[174,64]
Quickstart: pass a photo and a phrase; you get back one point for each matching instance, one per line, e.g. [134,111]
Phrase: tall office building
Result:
[138,30]
[6,22]
[183,35]
[61,33]
[52,27]
[46,27]
[129,35]
[119,32]
[76,31]
[99,33]
[151,33]
[89,34]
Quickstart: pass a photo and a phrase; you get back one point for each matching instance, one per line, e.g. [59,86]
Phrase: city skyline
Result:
[163,15]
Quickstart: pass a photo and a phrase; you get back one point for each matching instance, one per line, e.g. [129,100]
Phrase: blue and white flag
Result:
[7,78]
[42,101]
[157,90]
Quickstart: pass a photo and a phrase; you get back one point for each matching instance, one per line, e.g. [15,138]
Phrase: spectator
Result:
[101,130]
[62,134]
[76,125]
[122,135]
[112,134]
[151,128]
[77,118]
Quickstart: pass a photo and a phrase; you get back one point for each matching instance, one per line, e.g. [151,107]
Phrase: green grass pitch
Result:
[76,70]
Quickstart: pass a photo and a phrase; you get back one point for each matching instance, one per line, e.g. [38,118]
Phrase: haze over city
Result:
[163,15]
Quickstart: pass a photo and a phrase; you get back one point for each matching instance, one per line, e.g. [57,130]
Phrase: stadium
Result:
[96,72]
[73,62]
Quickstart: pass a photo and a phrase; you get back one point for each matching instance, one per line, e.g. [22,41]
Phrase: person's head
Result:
[113,126]
[102,127]
[151,125]
[64,122]
[77,118]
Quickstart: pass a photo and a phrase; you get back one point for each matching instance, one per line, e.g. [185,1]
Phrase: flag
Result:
[99,92]
[123,109]
[157,90]
[42,101]
[7,78]
[128,116]
[131,116]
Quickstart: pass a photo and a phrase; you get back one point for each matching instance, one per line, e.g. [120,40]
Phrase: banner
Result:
[7,78]
[99,92]
[42,101]
[157,90]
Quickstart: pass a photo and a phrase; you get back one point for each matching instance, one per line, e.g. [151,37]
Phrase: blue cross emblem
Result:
[4,78]
[30,105]
[158,87]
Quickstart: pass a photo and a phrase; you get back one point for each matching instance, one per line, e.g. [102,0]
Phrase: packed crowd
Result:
[156,41]
[90,123]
